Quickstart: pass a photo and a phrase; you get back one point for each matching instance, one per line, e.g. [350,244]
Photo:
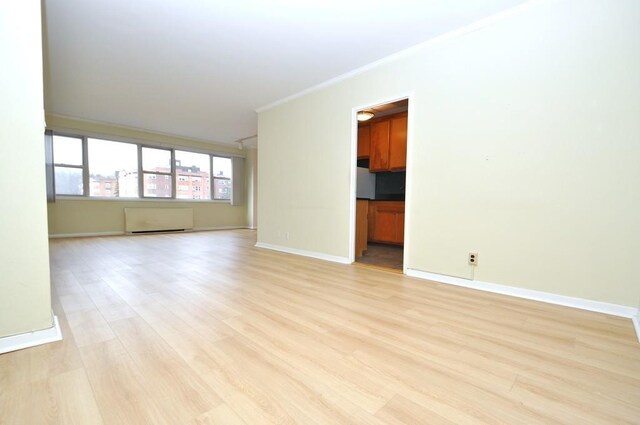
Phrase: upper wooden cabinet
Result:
[388,144]
[364,140]
[398,143]
[379,155]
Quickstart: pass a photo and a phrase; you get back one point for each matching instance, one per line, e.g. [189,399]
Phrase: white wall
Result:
[526,141]
[25,300]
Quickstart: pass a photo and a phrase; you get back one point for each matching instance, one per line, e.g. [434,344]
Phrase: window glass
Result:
[191,169]
[68,167]
[221,167]
[113,169]
[158,160]
[221,188]
[67,150]
[68,181]
[221,178]
[153,189]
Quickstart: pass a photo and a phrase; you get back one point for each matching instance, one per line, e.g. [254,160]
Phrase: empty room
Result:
[322,212]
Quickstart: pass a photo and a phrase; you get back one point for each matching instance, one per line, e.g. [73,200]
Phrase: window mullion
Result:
[174,177]
[211,179]
[140,173]
[85,166]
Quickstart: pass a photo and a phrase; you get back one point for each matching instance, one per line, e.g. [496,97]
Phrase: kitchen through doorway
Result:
[380,185]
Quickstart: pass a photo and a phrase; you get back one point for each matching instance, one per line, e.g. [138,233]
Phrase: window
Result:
[156,162]
[221,178]
[192,167]
[68,165]
[85,166]
[113,165]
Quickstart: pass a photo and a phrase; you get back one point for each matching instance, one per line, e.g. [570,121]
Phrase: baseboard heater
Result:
[153,220]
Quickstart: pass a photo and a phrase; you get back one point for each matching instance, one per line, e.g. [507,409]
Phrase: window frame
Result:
[88,172]
[172,176]
[190,178]
[83,166]
[142,171]
[213,179]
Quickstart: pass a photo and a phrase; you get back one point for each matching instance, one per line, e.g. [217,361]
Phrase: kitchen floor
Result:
[382,255]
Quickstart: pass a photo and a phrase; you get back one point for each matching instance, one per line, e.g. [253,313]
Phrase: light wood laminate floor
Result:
[203,328]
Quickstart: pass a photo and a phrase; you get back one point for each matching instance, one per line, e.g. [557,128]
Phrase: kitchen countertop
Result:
[384,198]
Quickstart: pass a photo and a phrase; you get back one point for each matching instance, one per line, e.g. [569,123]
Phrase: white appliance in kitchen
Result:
[365,183]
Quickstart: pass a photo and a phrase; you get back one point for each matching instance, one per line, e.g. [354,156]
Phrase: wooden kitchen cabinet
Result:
[364,140]
[398,143]
[400,227]
[379,150]
[362,212]
[386,222]
[388,144]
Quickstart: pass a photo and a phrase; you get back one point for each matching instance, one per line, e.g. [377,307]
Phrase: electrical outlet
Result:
[473,258]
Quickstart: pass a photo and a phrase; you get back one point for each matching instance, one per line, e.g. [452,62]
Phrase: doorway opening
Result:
[381,164]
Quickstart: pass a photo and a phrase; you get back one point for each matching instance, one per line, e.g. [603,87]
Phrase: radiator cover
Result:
[141,220]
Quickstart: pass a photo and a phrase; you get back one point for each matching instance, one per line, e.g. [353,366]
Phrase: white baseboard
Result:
[530,294]
[84,235]
[206,229]
[94,234]
[312,254]
[31,339]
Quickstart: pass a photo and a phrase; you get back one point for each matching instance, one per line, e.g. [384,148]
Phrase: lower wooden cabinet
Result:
[362,212]
[386,222]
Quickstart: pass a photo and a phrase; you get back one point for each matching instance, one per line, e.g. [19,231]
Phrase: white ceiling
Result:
[200,68]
